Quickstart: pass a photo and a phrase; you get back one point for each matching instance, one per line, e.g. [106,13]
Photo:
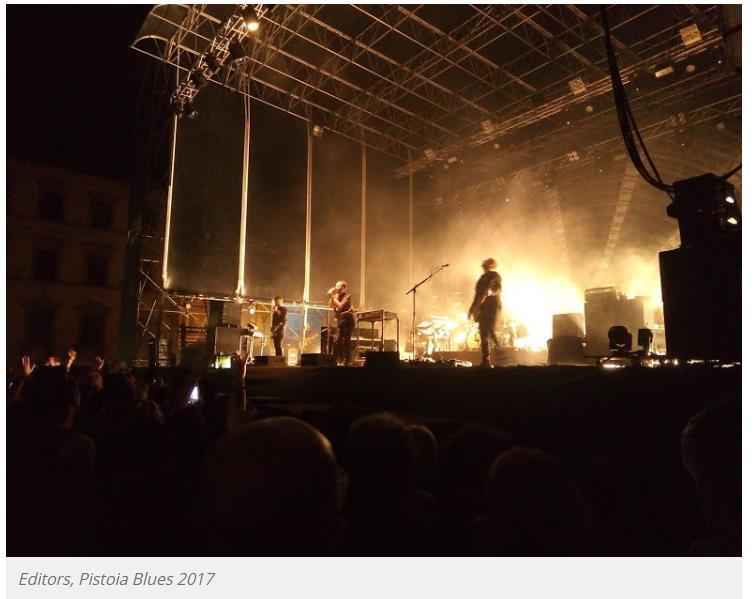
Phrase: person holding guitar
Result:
[340,301]
[486,308]
[278,327]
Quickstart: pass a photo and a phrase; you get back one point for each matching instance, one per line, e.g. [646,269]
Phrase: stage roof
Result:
[428,84]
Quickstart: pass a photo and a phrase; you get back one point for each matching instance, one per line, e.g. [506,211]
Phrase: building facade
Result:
[66,245]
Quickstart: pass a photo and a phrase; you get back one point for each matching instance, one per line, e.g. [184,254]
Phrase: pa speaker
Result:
[702,301]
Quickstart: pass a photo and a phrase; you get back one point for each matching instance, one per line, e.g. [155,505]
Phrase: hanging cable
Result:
[627,124]
[733,171]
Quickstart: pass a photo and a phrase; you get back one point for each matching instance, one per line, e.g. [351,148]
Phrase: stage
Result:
[577,412]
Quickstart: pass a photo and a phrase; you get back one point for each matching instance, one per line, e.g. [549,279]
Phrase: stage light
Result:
[250,19]
[589,109]
[252,311]
[730,200]
[497,146]
[690,35]
[429,154]
[577,86]
[690,68]
[452,159]
[487,126]
[197,78]
[619,339]
[236,51]
[573,156]
[317,131]
[732,221]
[190,111]
[664,71]
[645,340]
[212,62]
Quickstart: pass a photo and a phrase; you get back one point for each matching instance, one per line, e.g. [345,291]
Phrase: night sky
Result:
[73,85]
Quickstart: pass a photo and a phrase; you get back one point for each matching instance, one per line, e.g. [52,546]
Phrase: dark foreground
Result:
[510,461]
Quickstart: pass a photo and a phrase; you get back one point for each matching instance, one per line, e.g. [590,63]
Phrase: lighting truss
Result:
[404,79]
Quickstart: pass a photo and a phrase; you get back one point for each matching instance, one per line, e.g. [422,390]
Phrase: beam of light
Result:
[530,299]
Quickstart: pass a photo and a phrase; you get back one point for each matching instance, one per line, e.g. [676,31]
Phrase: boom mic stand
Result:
[413,291]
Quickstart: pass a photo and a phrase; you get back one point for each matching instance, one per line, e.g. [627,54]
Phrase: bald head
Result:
[272,489]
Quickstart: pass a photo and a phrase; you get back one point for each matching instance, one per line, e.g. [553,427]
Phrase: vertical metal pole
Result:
[166,246]
[240,290]
[411,226]
[411,256]
[307,241]
[363,261]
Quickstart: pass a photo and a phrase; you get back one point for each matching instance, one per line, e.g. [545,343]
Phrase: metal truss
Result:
[546,155]
[422,81]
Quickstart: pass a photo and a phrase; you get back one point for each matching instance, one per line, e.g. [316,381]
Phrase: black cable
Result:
[733,171]
[627,124]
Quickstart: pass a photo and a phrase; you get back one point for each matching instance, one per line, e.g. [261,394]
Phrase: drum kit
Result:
[441,333]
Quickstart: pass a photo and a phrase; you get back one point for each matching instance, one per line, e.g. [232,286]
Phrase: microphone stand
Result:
[413,291]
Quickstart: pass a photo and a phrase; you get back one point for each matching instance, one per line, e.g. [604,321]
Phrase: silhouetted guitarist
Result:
[278,327]
[486,308]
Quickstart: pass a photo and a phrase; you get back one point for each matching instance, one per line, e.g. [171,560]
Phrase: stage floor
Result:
[569,409]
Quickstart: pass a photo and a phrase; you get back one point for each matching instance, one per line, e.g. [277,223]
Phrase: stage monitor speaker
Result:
[277,361]
[568,325]
[382,358]
[702,301]
[227,340]
[318,360]
[566,350]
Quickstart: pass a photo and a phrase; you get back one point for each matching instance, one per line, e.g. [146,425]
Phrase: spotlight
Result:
[190,111]
[662,72]
[250,19]
[690,68]
[577,86]
[730,200]
[236,51]
[645,340]
[690,35]
[487,126]
[619,339]
[497,146]
[589,109]
[212,62]
[252,311]
[732,221]
[318,131]
[197,78]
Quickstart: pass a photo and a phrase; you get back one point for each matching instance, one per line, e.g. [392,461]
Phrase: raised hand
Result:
[28,365]
[238,367]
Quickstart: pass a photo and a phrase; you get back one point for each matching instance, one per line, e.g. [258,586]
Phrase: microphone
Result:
[331,290]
